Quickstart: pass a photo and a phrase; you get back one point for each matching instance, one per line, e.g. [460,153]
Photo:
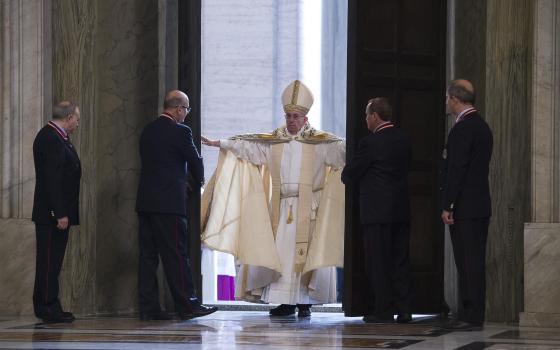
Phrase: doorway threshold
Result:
[237,305]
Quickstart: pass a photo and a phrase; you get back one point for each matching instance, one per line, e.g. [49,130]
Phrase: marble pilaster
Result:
[24,105]
[545,201]
[542,275]
[491,48]
[23,84]
[542,236]
[73,26]
[507,105]
[127,98]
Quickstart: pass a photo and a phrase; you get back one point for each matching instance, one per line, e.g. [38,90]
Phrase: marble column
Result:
[24,104]
[542,235]
[127,98]
[507,107]
[492,49]
[73,25]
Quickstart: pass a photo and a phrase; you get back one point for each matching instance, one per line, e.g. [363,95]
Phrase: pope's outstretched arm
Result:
[252,151]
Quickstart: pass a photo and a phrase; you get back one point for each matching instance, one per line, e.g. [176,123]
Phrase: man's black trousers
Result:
[51,246]
[468,238]
[386,248]
[164,235]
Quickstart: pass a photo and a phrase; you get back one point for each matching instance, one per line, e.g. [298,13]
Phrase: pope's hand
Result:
[208,142]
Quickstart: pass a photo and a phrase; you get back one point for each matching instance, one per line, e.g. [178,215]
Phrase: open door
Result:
[396,48]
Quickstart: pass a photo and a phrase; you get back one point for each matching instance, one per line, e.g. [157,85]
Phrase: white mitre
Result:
[297,98]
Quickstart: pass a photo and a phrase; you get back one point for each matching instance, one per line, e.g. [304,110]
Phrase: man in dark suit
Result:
[55,206]
[167,151]
[380,166]
[466,200]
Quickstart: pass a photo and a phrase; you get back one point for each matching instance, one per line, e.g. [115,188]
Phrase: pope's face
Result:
[294,122]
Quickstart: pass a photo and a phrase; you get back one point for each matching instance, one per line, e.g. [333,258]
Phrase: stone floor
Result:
[256,330]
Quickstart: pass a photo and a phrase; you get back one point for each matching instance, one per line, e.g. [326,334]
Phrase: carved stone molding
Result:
[542,236]
[24,54]
[545,198]
[25,103]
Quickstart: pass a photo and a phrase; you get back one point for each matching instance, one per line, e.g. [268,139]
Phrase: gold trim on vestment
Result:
[295,92]
[292,108]
[307,134]
[304,205]
[276,154]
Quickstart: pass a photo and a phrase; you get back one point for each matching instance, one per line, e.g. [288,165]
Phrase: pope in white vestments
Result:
[276,203]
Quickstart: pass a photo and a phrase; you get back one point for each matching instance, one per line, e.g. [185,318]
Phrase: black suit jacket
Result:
[58,172]
[166,149]
[467,155]
[380,166]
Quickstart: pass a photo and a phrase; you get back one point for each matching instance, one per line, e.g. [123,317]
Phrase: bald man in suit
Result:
[167,151]
[380,166]
[55,206]
[466,200]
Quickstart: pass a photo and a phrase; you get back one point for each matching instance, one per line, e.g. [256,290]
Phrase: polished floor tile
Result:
[529,334]
[256,330]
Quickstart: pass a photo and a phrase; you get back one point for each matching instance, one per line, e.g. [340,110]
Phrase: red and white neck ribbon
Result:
[464,113]
[383,126]
[59,130]
[169,116]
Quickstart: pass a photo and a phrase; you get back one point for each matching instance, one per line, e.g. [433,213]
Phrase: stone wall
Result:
[507,107]
[25,101]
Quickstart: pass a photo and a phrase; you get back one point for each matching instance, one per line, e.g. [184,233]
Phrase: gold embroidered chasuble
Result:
[241,204]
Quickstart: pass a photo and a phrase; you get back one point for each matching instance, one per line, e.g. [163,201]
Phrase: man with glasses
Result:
[276,202]
[166,152]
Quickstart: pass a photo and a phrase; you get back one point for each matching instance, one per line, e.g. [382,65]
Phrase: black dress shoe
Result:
[283,310]
[198,310]
[63,317]
[68,315]
[304,310]
[155,316]
[461,326]
[376,319]
[404,318]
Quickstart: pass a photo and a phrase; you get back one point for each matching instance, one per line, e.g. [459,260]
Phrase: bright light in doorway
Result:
[310,24]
